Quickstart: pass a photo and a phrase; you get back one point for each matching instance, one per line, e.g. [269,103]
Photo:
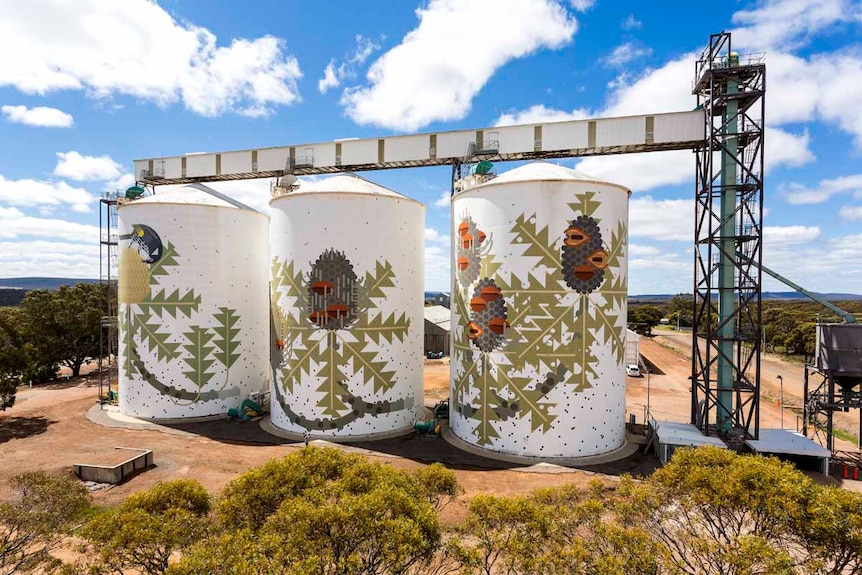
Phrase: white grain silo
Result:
[347,304]
[539,313]
[193,304]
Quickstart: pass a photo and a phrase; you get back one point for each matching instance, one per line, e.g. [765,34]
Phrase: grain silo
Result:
[347,259]
[193,314]
[539,313]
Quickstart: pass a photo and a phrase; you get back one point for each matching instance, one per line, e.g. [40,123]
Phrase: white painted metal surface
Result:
[539,313]
[633,355]
[670,131]
[347,281]
[787,442]
[194,327]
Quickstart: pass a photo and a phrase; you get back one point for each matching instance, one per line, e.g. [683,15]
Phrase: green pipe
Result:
[727,264]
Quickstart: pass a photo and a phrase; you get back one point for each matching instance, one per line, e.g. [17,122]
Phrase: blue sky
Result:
[95,84]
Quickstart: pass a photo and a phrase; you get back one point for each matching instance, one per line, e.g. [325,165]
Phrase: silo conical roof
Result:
[545,171]
[348,183]
[194,194]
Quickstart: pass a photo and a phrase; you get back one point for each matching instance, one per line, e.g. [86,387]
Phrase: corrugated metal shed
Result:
[439,316]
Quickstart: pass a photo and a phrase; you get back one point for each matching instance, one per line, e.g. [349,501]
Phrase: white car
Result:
[633,370]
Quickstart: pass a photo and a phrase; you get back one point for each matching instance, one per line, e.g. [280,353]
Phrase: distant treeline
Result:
[10,297]
[788,325]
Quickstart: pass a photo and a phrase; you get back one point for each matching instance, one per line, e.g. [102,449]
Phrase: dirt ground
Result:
[47,430]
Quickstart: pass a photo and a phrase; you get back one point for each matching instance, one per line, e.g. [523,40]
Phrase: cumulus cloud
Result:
[641,172]
[50,258]
[662,220]
[432,235]
[853,213]
[75,166]
[790,23]
[582,5]
[540,114]
[822,264]
[631,23]
[440,66]
[30,193]
[253,193]
[625,53]
[437,269]
[334,75]
[444,200]
[136,48]
[14,224]
[41,116]
[796,193]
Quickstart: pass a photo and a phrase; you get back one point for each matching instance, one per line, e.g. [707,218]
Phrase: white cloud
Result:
[625,53]
[39,116]
[136,48]
[334,75]
[539,114]
[437,269]
[74,166]
[432,235]
[796,193]
[14,224]
[663,220]
[444,200]
[253,193]
[50,258]
[44,193]
[789,235]
[823,264]
[665,89]
[120,184]
[822,87]
[330,78]
[853,213]
[639,250]
[641,172]
[582,5]
[784,148]
[439,66]
[631,23]
[790,23]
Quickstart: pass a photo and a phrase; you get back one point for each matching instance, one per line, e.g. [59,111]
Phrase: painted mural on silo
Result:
[347,306]
[539,313]
[193,314]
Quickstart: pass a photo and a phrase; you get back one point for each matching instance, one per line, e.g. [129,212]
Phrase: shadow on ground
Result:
[22,427]
[416,446]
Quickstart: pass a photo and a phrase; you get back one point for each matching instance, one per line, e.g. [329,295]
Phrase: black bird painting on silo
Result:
[584,259]
[332,291]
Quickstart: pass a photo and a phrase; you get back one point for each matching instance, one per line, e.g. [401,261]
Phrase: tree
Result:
[145,530]
[65,326]
[323,511]
[715,512]
[645,317]
[801,339]
[12,358]
[557,531]
[35,522]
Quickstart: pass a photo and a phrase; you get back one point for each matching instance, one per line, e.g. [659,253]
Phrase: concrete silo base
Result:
[267,425]
[629,448]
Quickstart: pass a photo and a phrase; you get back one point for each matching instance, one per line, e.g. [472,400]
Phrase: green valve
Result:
[482,168]
[134,192]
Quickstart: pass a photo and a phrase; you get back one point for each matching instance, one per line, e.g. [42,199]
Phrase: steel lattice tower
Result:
[108,260]
[726,336]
